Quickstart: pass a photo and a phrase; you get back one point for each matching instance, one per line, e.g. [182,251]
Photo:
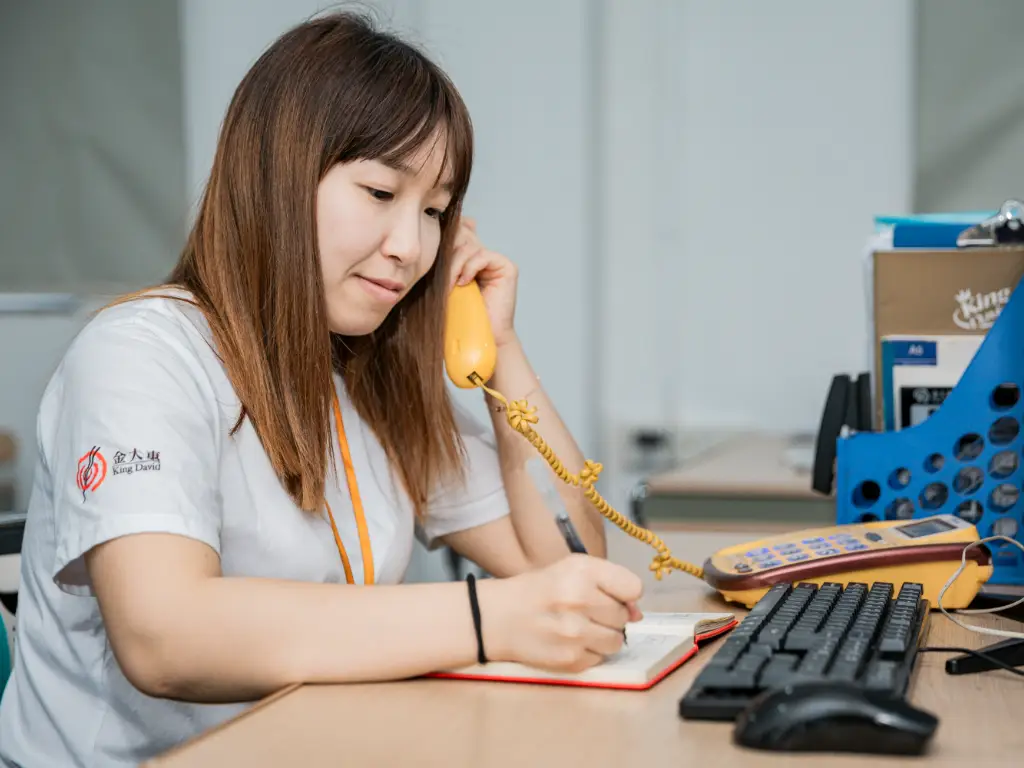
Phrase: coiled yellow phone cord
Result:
[520,416]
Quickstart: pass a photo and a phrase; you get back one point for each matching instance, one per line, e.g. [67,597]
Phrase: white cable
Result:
[998,608]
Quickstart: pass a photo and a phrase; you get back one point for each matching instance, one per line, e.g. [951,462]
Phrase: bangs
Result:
[406,104]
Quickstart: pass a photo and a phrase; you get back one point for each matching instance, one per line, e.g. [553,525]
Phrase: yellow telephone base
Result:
[926,551]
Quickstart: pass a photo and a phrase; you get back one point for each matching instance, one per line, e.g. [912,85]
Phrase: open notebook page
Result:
[655,643]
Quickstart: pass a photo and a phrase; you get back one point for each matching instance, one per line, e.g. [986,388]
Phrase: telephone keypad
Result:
[813,547]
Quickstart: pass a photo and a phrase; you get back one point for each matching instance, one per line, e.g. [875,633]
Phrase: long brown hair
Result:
[332,90]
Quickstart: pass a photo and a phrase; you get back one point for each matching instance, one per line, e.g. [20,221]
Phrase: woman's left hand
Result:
[495,274]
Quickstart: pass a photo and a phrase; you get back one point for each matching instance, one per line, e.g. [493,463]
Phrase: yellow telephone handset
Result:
[469,348]
[470,356]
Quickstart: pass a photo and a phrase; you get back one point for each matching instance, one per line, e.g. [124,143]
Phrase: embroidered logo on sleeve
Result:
[136,461]
[92,469]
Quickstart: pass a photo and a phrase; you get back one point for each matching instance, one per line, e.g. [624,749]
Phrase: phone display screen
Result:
[924,528]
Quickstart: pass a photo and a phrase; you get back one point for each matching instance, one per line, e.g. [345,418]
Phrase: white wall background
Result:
[747,147]
[687,186]
[970,106]
[91,140]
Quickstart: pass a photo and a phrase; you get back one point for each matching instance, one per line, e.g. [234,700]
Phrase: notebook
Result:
[656,645]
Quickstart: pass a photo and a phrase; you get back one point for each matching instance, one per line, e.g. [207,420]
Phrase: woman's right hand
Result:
[566,617]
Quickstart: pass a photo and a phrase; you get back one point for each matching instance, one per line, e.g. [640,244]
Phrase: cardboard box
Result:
[940,292]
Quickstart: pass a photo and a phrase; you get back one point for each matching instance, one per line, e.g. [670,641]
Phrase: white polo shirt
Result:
[134,436]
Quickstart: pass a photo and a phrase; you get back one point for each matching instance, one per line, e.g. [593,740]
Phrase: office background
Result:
[686,185]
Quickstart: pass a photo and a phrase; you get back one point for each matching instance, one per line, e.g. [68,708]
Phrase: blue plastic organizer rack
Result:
[965,459]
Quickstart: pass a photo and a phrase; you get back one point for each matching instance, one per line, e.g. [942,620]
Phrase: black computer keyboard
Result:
[867,635]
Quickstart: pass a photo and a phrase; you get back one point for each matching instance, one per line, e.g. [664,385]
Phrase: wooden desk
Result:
[747,480]
[454,724]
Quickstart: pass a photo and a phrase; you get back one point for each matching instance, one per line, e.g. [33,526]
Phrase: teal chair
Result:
[5,656]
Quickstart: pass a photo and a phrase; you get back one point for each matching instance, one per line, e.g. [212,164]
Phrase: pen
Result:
[572,539]
[539,473]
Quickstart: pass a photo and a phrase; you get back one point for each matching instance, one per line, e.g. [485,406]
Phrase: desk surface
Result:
[743,465]
[451,724]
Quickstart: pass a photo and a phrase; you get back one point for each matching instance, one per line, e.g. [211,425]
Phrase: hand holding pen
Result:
[542,479]
[567,616]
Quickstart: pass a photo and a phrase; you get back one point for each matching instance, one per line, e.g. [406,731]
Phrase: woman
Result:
[232,467]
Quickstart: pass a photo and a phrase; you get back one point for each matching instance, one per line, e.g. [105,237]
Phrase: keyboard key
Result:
[881,675]
[769,601]
[778,669]
[721,680]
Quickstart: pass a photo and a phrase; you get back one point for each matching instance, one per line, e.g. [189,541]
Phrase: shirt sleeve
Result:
[130,442]
[480,499]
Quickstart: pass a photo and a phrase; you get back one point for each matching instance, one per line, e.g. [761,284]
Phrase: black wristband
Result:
[474,605]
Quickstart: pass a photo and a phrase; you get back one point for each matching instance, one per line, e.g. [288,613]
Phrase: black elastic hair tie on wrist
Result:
[474,605]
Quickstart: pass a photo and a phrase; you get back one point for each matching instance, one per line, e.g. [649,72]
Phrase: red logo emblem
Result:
[92,469]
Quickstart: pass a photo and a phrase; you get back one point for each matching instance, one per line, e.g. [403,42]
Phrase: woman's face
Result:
[378,232]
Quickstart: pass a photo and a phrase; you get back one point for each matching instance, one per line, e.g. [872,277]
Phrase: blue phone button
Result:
[824,552]
[811,541]
[855,546]
[798,558]
[872,536]
[756,552]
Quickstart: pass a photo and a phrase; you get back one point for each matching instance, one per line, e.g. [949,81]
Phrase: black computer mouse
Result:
[824,716]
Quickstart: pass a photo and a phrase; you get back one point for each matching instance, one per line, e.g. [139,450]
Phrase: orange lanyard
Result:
[357,507]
